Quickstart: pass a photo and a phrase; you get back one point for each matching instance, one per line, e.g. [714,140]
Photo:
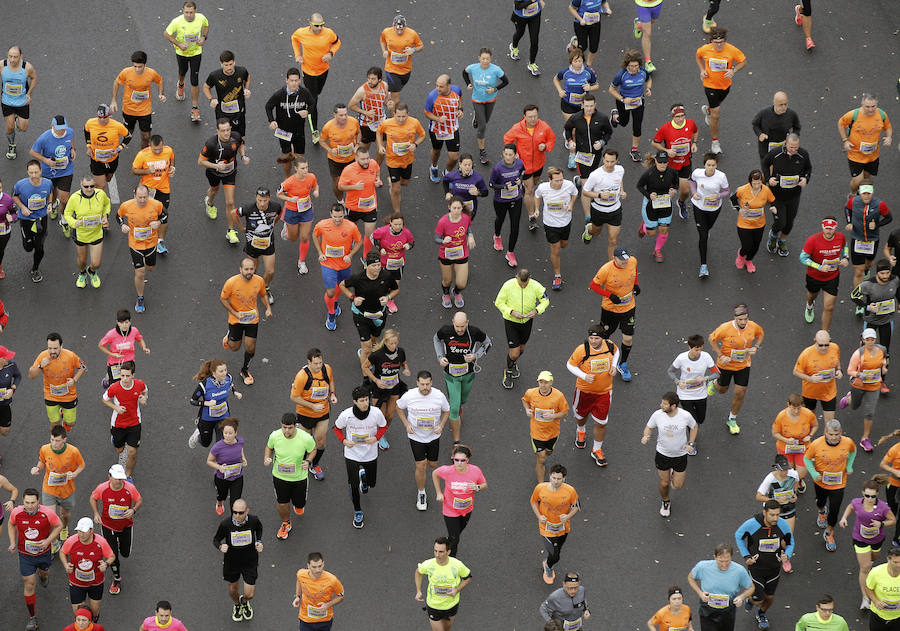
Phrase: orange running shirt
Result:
[295,187]
[716,62]
[793,428]
[619,281]
[315,390]
[374,101]
[105,139]
[397,139]
[158,178]
[756,213]
[868,365]
[830,461]
[141,236]
[241,295]
[398,62]
[542,428]
[595,362]
[811,362]
[892,459]
[56,466]
[336,241]
[665,620]
[735,343]
[315,592]
[136,97]
[865,134]
[552,504]
[314,48]
[57,372]
[366,200]
[344,140]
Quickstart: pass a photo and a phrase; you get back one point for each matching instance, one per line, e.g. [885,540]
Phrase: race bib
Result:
[140,95]
[241,538]
[869,531]
[826,375]
[599,366]
[444,135]
[84,576]
[104,155]
[373,315]
[117,512]
[317,393]
[509,193]
[662,201]
[36,202]
[554,527]
[584,159]
[711,201]
[890,605]
[390,382]
[591,18]
[91,221]
[59,390]
[457,370]
[574,625]
[191,38]
[286,469]
[313,611]
[14,89]
[33,547]
[462,503]
[425,422]
[454,253]
[789,181]
[303,203]
[752,213]
[863,247]
[230,107]
[61,162]
[218,409]
[867,148]
[4,228]
[632,103]
[469,205]
[393,263]
[442,590]
[769,545]
[832,477]
[799,448]
[334,251]
[555,207]
[260,243]
[232,470]
[718,601]
[282,134]
[626,299]
[776,145]
[543,414]
[400,148]
[141,233]
[870,375]
[399,58]
[359,438]
[225,168]
[694,383]
[56,479]
[576,98]
[718,65]
[531,9]
[247,317]
[739,355]
[609,196]
[785,494]
[344,151]
[366,203]
[116,371]
[883,307]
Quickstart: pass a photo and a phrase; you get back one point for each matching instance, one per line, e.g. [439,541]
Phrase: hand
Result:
[645,440]
[102,565]
[259,546]
[542,147]
[181,46]
[589,378]
[35,470]
[146,350]
[267,461]
[704,597]
[327,57]
[738,601]
[223,547]
[444,362]
[322,258]
[358,301]
[729,73]
[347,259]
[469,357]
[245,159]
[750,561]
[273,125]
[703,75]
[802,183]
[439,497]
[113,107]
[562,93]
[419,596]
[763,137]
[119,408]
[162,98]
[69,568]
[44,362]
[213,103]
[318,407]
[886,141]
[246,93]
[772,181]
[154,225]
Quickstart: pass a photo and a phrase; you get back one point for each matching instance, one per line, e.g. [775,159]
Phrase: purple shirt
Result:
[504,174]
[229,455]
[864,518]
[7,209]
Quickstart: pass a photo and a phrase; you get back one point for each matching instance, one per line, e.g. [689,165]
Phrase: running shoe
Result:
[614,117]
[66,230]
[81,281]
[331,321]
[571,162]
[864,604]
[483,156]
[635,155]
[421,501]
[358,519]
[248,378]
[715,147]
[845,401]
[32,624]
[53,213]
[740,261]
[665,508]
[445,301]
[284,530]
[599,457]
[820,520]
[139,305]
[507,380]
[810,44]
[761,620]
[650,67]
[708,25]
[641,231]
[801,487]
[383,443]
[434,173]
[772,244]
[623,371]
[511,259]
[859,311]
[809,313]
[586,236]
[693,451]
[733,426]
[580,435]
[534,70]
[36,276]
[514,371]
[161,247]
[225,342]
[748,606]
[363,482]
[572,45]
[270,296]
[11,153]
[830,544]
[884,388]
[798,20]
[547,573]
[115,587]
[704,271]
[231,236]
[302,268]
[498,243]
[751,267]
[194,440]
[557,283]
[783,249]
[195,114]
[513,53]
[247,611]
[787,567]
[532,223]
[316,135]
[2,273]
[658,256]
[236,612]
[458,300]
[638,31]
[179,92]
[392,306]
[318,473]
[211,211]
[866,444]
[682,210]
[220,508]
[705,110]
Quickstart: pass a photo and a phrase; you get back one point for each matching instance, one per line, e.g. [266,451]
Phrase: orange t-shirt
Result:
[56,466]
[798,428]
[398,62]
[241,295]
[141,236]
[397,139]
[830,461]
[314,48]
[315,390]
[717,62]
[811,362]
[620,281]
[892,459]
[57,372]
[552,504]
[869,368]
[865,134]
[595,362]
[105,139]
[736,343]
[366,200]
[315,592]
[336,241]
[541,405]
[666,620]
[757,206]
[158,178]
[295,187]
[136,98]
[344,140]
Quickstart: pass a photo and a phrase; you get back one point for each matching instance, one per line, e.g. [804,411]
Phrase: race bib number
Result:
[789,181]
[469,205]
[799,448]
[314,611]
[399,58]
[826,375]
[91,221]
[14,89]
[230,107]
[56,479]
[574,625]
[442,590]
[554,527]
[718,601]
[694,383]
[457,370]
[84,576]
[367,203]
[883,307]
[632,103]
[344,151]
[334,251]
[739,355]
[890,605]
[36,202]
[531,9]
[785,494]
[584,158]
[286,469]
[832,477]
[303,203]
[681,148]
[191,38]
[390,382]
[359,438]
[752,213]
[718,65]
[232,470]
[592,17]
[543,414]
[283,135]
[4,228]
[225,168]
[116,371]
[140,95]
[218,409]
[454,253]
[509,193]
[104,155]
[260,243]
[117,512]
[425,422]
[599,366]
[662,201]
[776,145]
[241,538]
[769,545]
[59,390]
[33,547]
[393,263]
[863,247]
[711,201]
[444,135]
[61,162]
[373,315]
[870,375]
[626,299]
[141,233]
[462,503]
[400,148]
[867,148]
[869,532]
[555,207]
[576,98]
[317,393]
[609,196]
[247,317]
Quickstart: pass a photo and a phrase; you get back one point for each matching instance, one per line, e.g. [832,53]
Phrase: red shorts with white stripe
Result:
[597,405]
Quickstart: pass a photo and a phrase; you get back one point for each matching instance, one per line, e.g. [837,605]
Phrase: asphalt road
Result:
[626,553]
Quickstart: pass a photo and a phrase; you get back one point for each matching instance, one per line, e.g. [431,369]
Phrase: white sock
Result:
[598,444]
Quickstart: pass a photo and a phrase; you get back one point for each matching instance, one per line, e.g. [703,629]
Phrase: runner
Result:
[188,33]
[824,254]
[766,543]
[443,108]
[18,78]
[782,485]
[232,85]
[87,211]
[891,250]
[527,13]
[397,139]
[789,171]
[861,130]
[709,190]
[554,504]
[314,48]
[140,218]
[371,103]
[866,370]
[872,516]
[55,150]
[485,79]
[424,413]
[534,139]
[678,138]
[219,157]
[572,84]
[718,63]
[369,292]
[617,282]
[647,13]
[7,216]
[163,620]
[558,196]
[84,622]
[674,615]
[567,605]
[658,185]
[721,585]
[261,218]
[772,125]
[803,17]
[586,134]
[105,139]
[794,428]
[115,504]
[61,370]
[313,392]
[506,180]
[865,215]
[672,425]
[239,297]
[735,343]
[118,346]
[239,537]
[822,618]
[382,371]
[32,529]
[295,192]
[317,594]
[336,242]
[545,406]
[691,371]
[398,44]
[156,164]
[520,300]
[891,463]
[593,388]
[137,105]
[31,196]
[818,367]
[392,241]
[461,481]
[877,297]
[358,182]
[290,454]
[124,398]
[228,459]
[340,139]
[10,379]
[458,347]
[85,557]
[751,201]
[629,88]
[605,190]
[455,240]
[447,577]
[881,589]
[214,387]
[829,460]
[287,110]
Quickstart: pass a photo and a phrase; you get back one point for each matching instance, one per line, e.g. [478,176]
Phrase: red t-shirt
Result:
[114,503]
[33,528]
[679,140]
[85,557]
[127,398]
[821,250]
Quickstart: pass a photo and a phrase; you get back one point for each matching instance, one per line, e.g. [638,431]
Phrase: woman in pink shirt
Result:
[453,236]
[118,345]
[393,240]
[461,481]
[7,217]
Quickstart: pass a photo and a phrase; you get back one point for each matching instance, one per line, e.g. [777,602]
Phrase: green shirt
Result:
[442,578]
[813,622]
[513,297]
[887,590]
[189,33]
[91,210]
[289,454]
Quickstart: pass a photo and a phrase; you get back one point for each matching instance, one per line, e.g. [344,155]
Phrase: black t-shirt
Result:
[260,222]
[229,91]
[371,290]
[456,346]
[387,364]
[241,540]
[217,151]
[893,244]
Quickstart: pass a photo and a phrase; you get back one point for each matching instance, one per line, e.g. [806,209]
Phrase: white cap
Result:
[85,524]
[117,471]
[869,333]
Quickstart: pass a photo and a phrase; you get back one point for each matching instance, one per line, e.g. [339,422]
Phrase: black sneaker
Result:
[772,244]
[507,380]
[532,223]
[614,117]
[514,373]
[36,276]
[247,611]
[783,249]
[237,613]
[482,155]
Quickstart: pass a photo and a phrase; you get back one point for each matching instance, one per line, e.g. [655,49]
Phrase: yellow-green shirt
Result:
[441,579]
[887,590]
[188,33]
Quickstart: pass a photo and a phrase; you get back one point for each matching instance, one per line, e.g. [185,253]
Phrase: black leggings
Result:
[224,487]
[877,623]
[553,546]
[696,408]
[120,542]
[4,239]
[353,467]
[834,498]
[750,240]
[713,9]
[455,526]
[194,63]
[534,30]
[206,429]
[705,220]
[636,115]
[890,495]
[785,213]
[34,241]
[884,336]
[588,36]
[315,84]
[514,210]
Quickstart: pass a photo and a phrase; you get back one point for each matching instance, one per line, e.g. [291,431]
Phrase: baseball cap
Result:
[373,257]
[117,471]
[621,253]
[882,265]
[781,463]
[545,375]
[399,20]
[58,122]
[5,353]
[103,110]
[661,156]
[866,188]
[85,524]
[869,333]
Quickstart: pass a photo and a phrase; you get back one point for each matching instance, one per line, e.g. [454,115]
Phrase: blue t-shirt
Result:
[34,197]
[457,184]
[15,85]
[502,175]
[573,83]
[590,7]
[482,80]
[59,149]
[529,10]
[630,85]
[712,580]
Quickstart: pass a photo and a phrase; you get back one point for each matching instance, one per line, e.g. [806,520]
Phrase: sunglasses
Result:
[88,186]
[460,460]
[238,512]
[871,497]
[824,345]
[319,25]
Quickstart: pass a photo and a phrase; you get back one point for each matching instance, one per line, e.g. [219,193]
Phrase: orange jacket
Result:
[527,144]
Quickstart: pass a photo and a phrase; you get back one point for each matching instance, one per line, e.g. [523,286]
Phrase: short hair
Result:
[484,50]
[833,425]
[611,152]
[671,398]
[551,171]
[597,329]
[589,97]
[338,106]
[632,55]
[231,422]
[58,431]
[374,70]
[530,107]
[894,551]
[824,599]
[868,96]
[695,341]
[710,156]
[718,31]
[165,605]
[401,106]
[771,504]
[222,121]
[466,156]
[122,315]
[361,392]
[189,4]
[156,140]
[575,53]
[442,541]
[128,365]
[510,146]
[457,449]
[292,72]
[53,336]
[337,207]
[226,55]
[722,548]
[361,149]
[558,468]
[289,418]
[792,137]
[31,492]
[141,186]
[795,399]
[314,556]
[312,353]
[138,57]
[423,374]
[523,275]
[32,163]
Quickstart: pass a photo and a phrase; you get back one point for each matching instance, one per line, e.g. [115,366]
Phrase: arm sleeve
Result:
[339,433]
[742,534]
[811,467]
[504,81]
[851,457]
[197,396]
[674,373]
[483,348]
[600,290]
[575,370]
[438,347]
[806,259]
[467,78]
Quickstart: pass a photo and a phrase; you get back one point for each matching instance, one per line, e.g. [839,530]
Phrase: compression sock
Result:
[247,358]
[626,350]
[304,248]
[330,301]
[320,451]
[30,602]
[367,245]
[661,241]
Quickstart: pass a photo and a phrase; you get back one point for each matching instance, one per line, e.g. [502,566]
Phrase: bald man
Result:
[817,368]
[772,124]
[314,48]
[443,108]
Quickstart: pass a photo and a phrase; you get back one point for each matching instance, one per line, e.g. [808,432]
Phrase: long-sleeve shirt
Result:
[775,126]
[9,377]
[655,181]
[241,540]
[755,537]
[284,108]
[513,297]
[503,180]
[882,295]
[456,183]
[586,133]
[560,606]
[787,170]
[452,345]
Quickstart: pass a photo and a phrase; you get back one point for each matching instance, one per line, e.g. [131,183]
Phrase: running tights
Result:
[636,115]
[750,240]
[705,220]
[553,546]
[224,488]
[483,113]
[455,526]
[514,210]
[834,498]
[534,30]
[120,542]
[713,9]
[696,408]
[890,493]
[884,336]
[4,239]
[353,468]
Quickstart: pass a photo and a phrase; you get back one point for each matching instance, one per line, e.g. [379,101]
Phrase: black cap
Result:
[882,265]
[781,463]
[661,156]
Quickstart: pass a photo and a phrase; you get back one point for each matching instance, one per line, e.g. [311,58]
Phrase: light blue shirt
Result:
[482,80]
[59,149]
[712,580]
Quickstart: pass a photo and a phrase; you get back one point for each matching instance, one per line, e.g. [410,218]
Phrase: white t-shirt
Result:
[769,481]
[693,373]
[709,189]
[556,203]
[423,412]
[671,433]
[608,186]
[358,430]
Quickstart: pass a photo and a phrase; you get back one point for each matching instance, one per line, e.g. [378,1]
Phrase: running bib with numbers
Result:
[555,207]
[789,181]
[218,409]
[373,315]
[344,150]
[739,355]
[694,383]
[883,307]
[584,158]
[13,89]
[334,251]
[3,392]
[609,196]
[591,18]
[681,148]
[390,382]
[599,366]
[246,317]
[399,58]
[799,448]
[776,145]
[425,422]
[864,247]
[61,163]
[826,375]
[36,202]
[576,98]
[531,9]
[786,494]
[626,299]
[469,205]
[57,479]
[832,477]
[457,370]
[33,547]
[359,438]
[444,136]
[241,538]
[282,134]
[393,264]
[317,393]
[400,148]
[545,415]
[718,601]
[718,65]
[890,605]
[232,470]
[84,577]
[456,252]
[442,590]
[260,243]
[632,103]
[867,148]
[142,233]
[769,545]
[711,201]
[869,531]
[303,203]
[4,228]
[871,375]
[366,203]
[91,221]
[316,612]
[509,193]
[554,526]
[662,201]
[575,625]
[115,370]
[117,512]
[140,95]
[462,503]
[59,390]
[752,213]
[286,469]
[225,168]
[230,107]
[192,38]
[104,154]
